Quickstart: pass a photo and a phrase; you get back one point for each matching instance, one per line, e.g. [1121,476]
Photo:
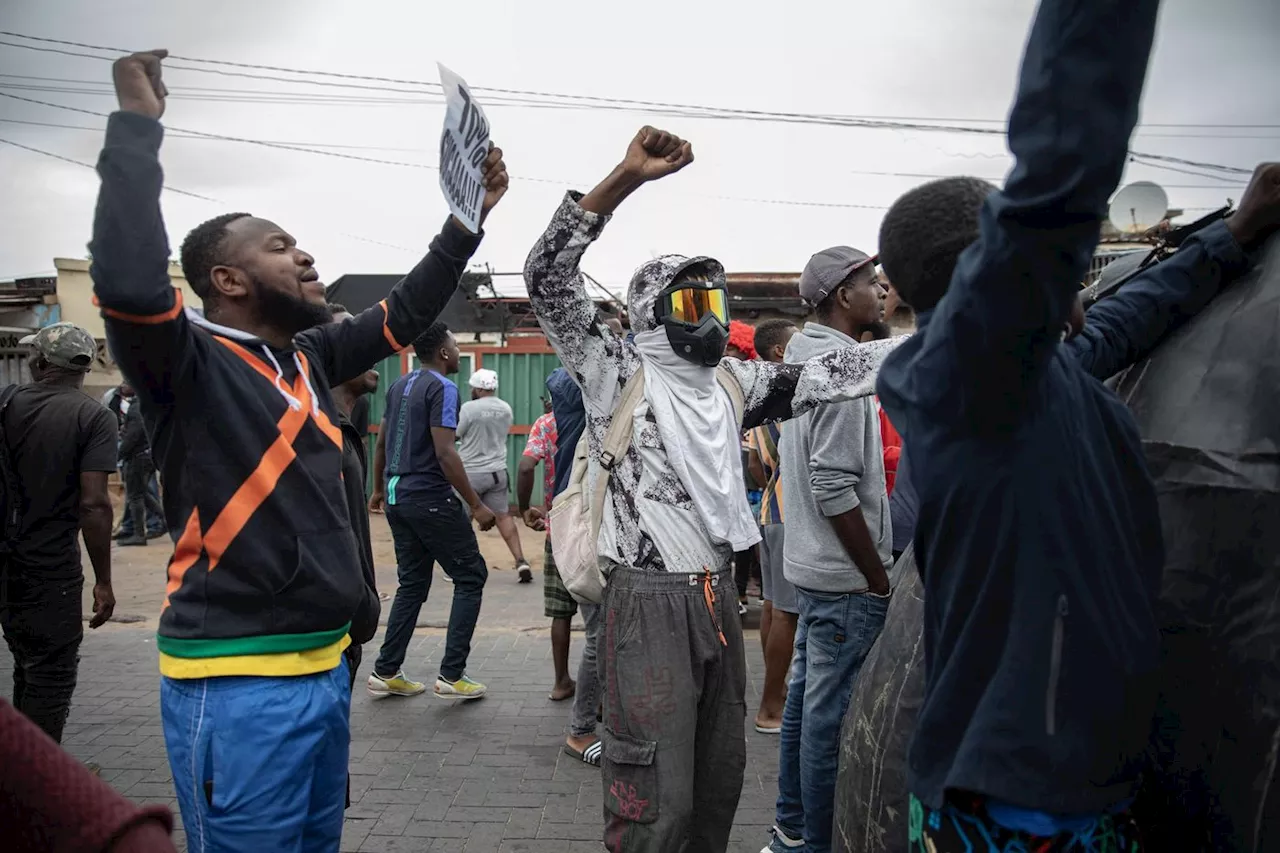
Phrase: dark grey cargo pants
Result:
[674,673]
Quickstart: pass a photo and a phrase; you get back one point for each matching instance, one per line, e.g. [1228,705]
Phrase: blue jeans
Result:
[259,763]
[833,636]
[426,532]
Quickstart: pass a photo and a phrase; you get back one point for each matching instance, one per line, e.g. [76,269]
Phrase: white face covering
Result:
[702,438]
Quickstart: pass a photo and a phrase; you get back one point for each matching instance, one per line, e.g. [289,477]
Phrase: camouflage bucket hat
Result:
[64,345]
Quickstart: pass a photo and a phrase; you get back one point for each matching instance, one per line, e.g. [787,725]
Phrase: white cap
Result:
[484,380]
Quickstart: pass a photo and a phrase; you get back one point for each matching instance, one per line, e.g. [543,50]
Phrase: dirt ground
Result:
[138,574]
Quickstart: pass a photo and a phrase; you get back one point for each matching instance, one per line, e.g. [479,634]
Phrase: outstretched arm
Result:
[350,348]
[590,350]
[1124,327]
[1000,323]
[778,392]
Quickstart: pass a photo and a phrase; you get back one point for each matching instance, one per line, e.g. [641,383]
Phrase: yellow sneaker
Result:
[396,685]
[463,688]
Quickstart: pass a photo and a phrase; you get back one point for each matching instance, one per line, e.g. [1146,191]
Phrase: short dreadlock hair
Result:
[202,251]
[770,333]
[923,234]
[430,341]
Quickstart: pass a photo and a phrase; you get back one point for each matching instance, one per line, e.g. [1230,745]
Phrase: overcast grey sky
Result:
[1215,64]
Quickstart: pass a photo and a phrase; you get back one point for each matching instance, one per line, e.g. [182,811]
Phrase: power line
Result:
[285,146]
[613,103]
[91,166]
[276,96]
[179,134]
[216,201]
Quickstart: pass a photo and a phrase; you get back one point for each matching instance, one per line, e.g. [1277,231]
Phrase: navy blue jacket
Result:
[1121,330]
[1038,536]
[571,419]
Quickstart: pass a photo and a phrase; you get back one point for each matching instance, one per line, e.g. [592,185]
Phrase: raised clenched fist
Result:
[139,88]
[1259,211]
[654,154]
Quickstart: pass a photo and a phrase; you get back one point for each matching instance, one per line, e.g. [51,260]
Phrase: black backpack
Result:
[10,489]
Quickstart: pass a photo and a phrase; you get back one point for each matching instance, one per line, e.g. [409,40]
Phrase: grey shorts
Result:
[775,588]
[492,490]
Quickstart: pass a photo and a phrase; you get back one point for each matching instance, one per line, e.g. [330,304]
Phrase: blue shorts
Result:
[259,763]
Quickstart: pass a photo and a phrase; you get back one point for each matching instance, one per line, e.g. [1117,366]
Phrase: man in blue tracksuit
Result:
[1038,536]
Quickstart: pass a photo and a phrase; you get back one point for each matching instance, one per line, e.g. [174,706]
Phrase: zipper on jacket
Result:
[1055,667]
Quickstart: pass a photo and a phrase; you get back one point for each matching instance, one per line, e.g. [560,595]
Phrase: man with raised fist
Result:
[261,594]
[672,660]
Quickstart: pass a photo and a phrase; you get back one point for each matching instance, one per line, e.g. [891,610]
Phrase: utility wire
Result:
[284,146]
[277,96]
[604,103]
[177,191]
[91,166]
[118,51]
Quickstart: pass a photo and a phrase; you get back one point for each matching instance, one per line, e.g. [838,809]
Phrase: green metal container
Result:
[522,379]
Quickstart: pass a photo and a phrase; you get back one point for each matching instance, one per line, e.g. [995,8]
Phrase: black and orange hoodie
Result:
[265,578]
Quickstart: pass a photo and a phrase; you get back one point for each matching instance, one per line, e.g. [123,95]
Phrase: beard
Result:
[291,313]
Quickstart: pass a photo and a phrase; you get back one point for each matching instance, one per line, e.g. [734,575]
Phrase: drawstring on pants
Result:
[709,595]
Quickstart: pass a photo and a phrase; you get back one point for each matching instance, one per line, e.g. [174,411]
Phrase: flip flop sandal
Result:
[590,755]
[768,730]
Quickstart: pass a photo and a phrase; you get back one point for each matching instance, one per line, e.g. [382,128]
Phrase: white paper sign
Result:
[464,143]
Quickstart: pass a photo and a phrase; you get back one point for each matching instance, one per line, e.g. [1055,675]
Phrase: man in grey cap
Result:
[57,448]
[837,549]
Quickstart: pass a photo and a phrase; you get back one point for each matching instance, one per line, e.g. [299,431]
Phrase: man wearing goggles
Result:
[675,511]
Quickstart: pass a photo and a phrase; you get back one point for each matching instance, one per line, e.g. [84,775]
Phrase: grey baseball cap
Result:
[827,269]
[65,345]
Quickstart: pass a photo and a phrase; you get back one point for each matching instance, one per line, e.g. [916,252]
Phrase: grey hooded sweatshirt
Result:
[832,461]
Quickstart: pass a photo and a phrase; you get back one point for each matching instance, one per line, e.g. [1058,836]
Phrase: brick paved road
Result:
[426,775]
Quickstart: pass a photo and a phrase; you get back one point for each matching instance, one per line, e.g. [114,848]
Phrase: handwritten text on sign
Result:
[464,144]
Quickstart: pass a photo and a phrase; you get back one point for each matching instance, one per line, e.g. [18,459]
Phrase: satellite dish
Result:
[1138,208]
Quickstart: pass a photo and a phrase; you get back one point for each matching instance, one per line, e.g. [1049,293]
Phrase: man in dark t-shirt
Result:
[62,445]
[418,477]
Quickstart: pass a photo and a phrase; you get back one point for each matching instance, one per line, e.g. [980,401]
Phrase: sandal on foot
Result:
[590,755]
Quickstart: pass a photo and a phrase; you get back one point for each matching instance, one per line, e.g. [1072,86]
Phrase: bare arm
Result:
[756,468]
[524,482]
[451,464]
[95,525]
[851,529]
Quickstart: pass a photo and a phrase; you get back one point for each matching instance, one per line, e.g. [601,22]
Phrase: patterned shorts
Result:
[557,603]
[965,826]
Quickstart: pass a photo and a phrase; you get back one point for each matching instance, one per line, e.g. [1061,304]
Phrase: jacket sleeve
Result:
[598,359]
[147,333]
[778,392]
[837,434]
[991,337]
[346,350]
[1124,327]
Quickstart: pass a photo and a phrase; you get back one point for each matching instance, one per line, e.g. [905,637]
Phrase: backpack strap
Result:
[617,440]
[733,388]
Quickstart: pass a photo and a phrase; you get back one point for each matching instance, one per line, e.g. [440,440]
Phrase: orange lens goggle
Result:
[691,304]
